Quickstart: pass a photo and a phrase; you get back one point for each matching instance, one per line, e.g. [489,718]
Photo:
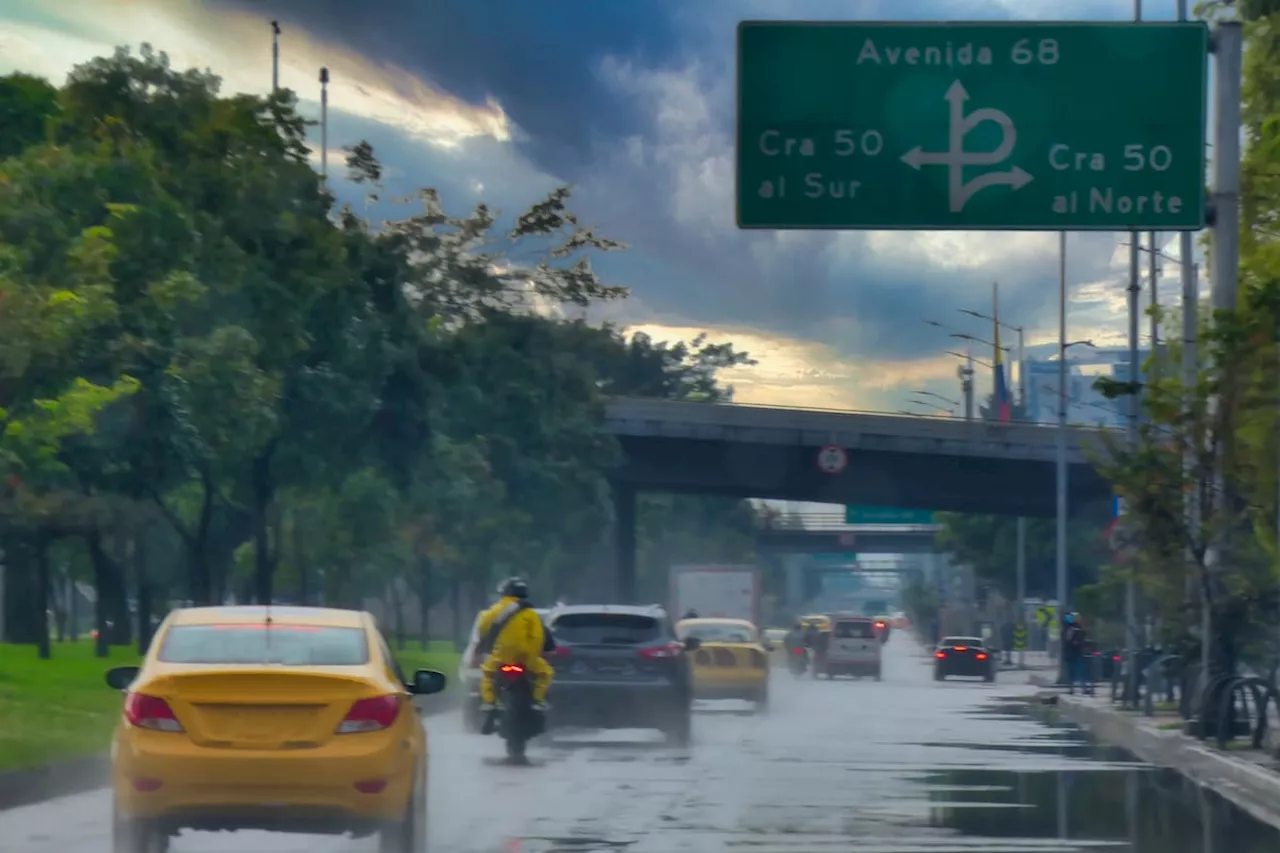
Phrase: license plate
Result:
[625,669]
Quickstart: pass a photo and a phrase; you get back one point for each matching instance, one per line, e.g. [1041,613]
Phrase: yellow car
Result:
[817,620]
[293,719]
[731,663]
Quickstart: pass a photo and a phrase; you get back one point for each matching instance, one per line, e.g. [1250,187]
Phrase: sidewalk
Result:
[1249,778]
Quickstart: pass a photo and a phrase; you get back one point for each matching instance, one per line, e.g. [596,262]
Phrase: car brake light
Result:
[560,652]
[798,651]
[981,656]
[962,648]
[511,669]
[940,655]
[371,715]
[150,712]
[1115,657]
[670,650]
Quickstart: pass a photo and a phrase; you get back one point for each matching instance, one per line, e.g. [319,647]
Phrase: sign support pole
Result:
[1135,272]
[1228,48]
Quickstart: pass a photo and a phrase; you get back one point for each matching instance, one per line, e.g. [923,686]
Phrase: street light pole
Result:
[275,56]
[1062,423]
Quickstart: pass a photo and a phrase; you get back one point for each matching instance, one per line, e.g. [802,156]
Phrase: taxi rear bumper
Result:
[352,784]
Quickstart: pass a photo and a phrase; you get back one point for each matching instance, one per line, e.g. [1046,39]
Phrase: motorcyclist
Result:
[520,639]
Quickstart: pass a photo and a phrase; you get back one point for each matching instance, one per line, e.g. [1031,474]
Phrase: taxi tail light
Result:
[371,715]
[670,650]
[150,712]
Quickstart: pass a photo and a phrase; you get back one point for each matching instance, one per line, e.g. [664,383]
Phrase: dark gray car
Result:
[619,666]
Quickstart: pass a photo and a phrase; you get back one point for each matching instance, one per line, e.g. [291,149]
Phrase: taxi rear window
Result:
[282,645]
[854,631]
[713,633]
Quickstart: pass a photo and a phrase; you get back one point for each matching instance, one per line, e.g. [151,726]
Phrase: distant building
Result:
[1085,405]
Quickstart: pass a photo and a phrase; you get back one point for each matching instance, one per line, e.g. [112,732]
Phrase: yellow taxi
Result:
[294,719]
[817,621]
[732,661]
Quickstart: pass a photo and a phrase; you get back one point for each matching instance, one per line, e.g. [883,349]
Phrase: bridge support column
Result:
[624,540]
[794,565]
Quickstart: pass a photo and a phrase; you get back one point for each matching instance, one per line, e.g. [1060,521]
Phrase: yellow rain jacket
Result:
[520,642]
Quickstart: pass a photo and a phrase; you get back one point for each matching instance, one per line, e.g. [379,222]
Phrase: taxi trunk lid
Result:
[262,707]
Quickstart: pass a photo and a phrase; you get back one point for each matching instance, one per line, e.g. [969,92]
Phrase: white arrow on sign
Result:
[955,158]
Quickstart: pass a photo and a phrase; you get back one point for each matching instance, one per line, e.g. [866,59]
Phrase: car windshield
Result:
[962,641]
[622,629]
[713,633]
[854,630]
[286,645]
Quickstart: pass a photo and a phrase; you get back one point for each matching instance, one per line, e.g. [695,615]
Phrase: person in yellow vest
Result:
[513,633]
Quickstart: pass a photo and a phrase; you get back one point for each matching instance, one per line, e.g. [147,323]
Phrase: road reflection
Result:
[1146,810]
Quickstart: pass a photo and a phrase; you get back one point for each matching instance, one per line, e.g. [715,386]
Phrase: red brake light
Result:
[670,650]
[940,655]
[150,712]
[879,624]
[1115,657]
[371,715]
[798,651]
[962,648]
[511,668]
[981,656]
[560,652]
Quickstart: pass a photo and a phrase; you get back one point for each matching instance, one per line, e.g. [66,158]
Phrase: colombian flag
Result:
[1003,402]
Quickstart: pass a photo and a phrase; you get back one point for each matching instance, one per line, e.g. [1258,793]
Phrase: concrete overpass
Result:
[893,461]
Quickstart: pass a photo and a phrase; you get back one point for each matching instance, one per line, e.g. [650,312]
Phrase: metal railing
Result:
[836,521]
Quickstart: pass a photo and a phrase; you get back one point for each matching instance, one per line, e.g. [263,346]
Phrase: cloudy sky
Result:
[631,102]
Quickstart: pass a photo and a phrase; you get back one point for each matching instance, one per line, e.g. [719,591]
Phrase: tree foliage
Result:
[216,382]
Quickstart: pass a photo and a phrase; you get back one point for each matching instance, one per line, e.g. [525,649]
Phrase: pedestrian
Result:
[1074,655]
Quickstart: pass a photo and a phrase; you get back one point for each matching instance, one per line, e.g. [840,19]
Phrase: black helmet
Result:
[513,588]
[691,614]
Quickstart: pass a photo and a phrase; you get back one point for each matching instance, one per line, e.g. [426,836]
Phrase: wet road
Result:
[906,765]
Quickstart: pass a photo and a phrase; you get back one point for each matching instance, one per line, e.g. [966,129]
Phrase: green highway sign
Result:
[967,126]
[886,515]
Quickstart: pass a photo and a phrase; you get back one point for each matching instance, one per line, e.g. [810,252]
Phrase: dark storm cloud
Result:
[536,57]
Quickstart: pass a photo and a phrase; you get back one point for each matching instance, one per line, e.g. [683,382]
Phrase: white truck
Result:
[711,591]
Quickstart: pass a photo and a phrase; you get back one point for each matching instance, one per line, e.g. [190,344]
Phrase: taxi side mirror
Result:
[692,644]
[426,682]
[120,677]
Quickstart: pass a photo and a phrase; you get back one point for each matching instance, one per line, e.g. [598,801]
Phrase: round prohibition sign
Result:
[832,459]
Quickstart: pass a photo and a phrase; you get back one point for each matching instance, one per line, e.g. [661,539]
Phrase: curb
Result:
[79,775]
[1254,789]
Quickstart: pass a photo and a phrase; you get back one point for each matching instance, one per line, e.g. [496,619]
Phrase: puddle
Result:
[1145,810]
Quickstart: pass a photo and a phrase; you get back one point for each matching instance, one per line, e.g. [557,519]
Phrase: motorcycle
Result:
[518,722]
[798,661]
